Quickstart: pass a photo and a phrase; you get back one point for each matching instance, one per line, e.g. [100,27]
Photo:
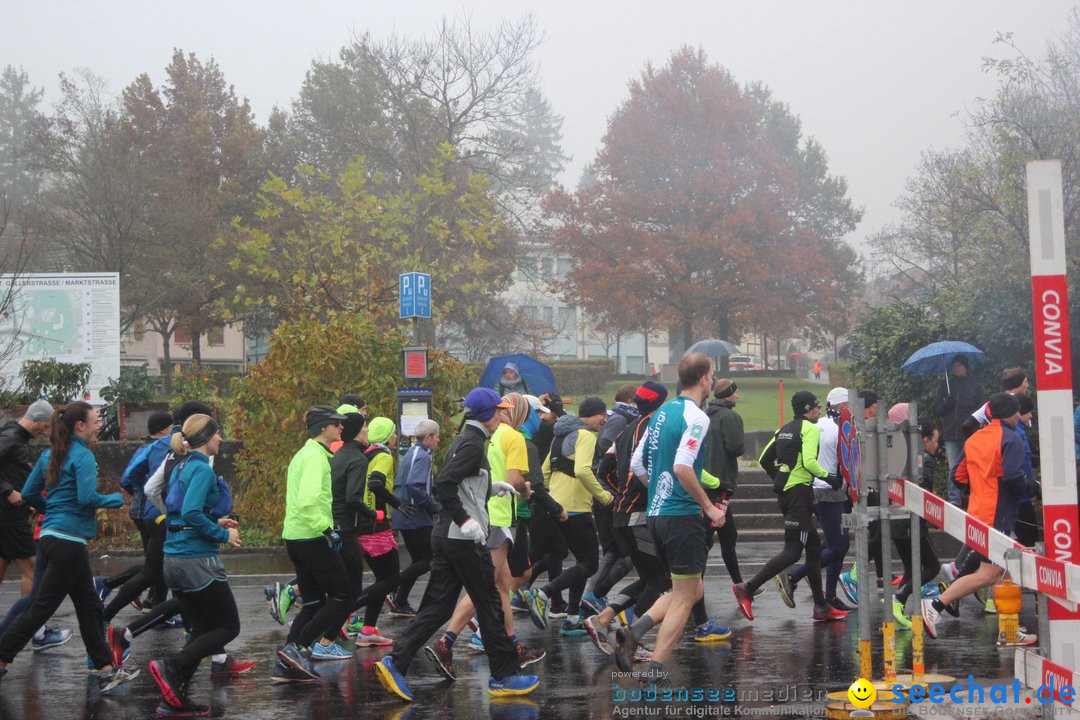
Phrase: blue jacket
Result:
[413,485]
[1029,465]
[193,532]
[70,508]
[144,463]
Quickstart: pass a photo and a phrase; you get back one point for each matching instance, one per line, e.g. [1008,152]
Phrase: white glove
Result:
[503,489]
[472,530]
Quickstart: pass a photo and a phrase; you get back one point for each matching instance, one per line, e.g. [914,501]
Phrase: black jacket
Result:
[464,483]
[348,469]
[725,442]
[956,404]
[15,465]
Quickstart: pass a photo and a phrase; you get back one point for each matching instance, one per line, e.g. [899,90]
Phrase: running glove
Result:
[472,530]
[503,489]
[407,509]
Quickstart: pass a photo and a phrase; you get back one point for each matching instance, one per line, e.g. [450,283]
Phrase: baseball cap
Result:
[837,396]
[803,402]
[535,404]
[481,404]
[319,417]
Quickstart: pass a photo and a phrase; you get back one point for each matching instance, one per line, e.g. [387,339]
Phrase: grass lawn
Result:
[759,398]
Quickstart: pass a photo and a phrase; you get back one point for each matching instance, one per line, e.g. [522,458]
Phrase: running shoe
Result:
[931,617]
[746,603]
[231,667]
[272,593]
[598,633]
[355,626]
[626,617]
[982,595]
[188,709]
[442,657]
[786,588]
[760,591]
[517,604]
[932,589]
[624,649]
[113,677]
[174,622]
[54,637]
[592,603]
[897,579]
[840,604]
[293,655]
[952,608]
[371,637]
[557,609]
[139,605]
[711,632]
[329,652]
[170,686]
[989,608]
[898,614]
[527,657]
[117,636]
[827,613]
[1023,638]
[101,589]
[573,628]
[476,643]
[286,598]
[400,609]
[513,685]
[538,608]
[949,571]
[288,674]
[391,679]
[642,654]
[849,583]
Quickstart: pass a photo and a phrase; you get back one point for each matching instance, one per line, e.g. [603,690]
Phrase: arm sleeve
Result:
[138,470]
[154,489]
[35,481]
[356,473]
[690,442]
[193,510]
[381,467]
[708,480]
[584,449]
[960,472]
[86,480]
[605,471]
[462,461]
[734,436]
[810,438]
[1012,466]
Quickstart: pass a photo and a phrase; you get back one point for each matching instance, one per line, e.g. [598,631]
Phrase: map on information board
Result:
[69,317]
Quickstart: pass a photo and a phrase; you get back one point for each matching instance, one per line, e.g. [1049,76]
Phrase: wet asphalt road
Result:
[781,659]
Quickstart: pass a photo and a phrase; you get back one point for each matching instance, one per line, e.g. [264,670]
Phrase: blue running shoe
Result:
[849,583]
[538,608]
[333,651]
[391,679]
[711,632]
[101,589]
[513,685]
[592,605]
[476,643]
[517,604]
[572,628]
[295,657]
[54,637]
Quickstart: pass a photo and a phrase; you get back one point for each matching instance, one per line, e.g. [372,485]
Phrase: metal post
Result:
[888,627]
[918,666]
[1043,611]
[866,667]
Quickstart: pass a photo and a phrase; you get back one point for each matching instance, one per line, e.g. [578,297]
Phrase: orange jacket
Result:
[992,465]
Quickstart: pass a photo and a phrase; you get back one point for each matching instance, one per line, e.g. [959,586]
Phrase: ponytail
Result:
[63,427]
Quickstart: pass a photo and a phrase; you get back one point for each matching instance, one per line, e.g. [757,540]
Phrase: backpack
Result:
[559,462]
[784,450]
[174,499]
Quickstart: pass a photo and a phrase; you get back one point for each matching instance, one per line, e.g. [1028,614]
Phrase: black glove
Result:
[333,539]
[835,481]
[406,508]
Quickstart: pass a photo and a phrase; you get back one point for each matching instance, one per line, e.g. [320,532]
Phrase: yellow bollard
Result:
[1008,603]
[888,633]
[866,660]
[918,665]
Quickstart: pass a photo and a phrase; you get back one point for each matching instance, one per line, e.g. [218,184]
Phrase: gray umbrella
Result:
[713,348]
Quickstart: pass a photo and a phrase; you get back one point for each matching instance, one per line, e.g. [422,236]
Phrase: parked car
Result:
[746,363]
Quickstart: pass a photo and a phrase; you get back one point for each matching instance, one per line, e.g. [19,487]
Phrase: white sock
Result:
[572,619]
[40,634]
[219,658]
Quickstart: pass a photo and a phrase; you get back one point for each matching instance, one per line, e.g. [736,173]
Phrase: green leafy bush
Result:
[582,376]
[58,382]
[135,386]
[313,363]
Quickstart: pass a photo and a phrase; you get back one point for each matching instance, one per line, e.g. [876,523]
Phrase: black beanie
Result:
[1003,405]
[1013,381]
[803,402]
[191,407]
[1026,403]
[157,422]
[590,406]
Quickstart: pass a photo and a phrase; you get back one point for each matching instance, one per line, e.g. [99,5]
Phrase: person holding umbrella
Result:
[958,397]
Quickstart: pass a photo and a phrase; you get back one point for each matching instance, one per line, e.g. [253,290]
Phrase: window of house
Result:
[564,265]
[182,336]
[548,314]
[216,335]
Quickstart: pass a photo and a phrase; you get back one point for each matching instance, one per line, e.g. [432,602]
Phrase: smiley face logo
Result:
[862,693]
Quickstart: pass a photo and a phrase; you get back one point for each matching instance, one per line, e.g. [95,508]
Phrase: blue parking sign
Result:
[414,295]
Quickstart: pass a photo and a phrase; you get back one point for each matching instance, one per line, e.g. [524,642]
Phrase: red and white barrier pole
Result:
[1053,363]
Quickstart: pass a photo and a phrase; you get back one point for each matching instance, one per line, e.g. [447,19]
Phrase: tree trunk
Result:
[687,332]
[618,352]
[166,358]
[765,351]
[196,347]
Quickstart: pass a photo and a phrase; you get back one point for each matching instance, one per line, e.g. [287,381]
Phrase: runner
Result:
[198,504]
[67,472]
[992,465]
[312,545]
[413,485]
[460,559]
[792,458]
[17,544]
[670,456]
[547,549]
[568,472]
[374,534]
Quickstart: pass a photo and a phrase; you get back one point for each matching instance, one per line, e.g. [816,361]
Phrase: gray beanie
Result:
[40,411]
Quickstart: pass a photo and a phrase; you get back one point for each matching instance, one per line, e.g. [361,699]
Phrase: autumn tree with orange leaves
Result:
[708,212]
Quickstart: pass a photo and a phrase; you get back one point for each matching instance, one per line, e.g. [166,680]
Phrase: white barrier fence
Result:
[1056,579]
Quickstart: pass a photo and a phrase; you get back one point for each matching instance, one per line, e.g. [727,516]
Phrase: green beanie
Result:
[380,429]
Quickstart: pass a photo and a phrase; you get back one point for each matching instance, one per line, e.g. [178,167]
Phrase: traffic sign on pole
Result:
[414,295]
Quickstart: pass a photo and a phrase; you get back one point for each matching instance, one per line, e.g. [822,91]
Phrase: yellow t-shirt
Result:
[506,451]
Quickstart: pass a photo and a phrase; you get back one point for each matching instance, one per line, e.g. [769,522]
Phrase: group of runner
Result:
[646,486]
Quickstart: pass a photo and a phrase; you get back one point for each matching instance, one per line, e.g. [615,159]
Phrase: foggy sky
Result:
[876,82]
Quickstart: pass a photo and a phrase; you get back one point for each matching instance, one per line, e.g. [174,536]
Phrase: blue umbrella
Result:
[713,348]
[537,376]
[937,357]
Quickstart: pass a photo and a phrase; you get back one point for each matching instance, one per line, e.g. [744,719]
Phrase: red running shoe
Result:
[746,603]
[827,613]
[231,667]
[119,644]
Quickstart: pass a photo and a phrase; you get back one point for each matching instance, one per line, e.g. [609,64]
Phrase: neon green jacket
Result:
[308,497]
